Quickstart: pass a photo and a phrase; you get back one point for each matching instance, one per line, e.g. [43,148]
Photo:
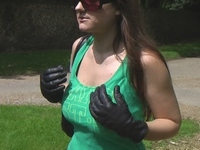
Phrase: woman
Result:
[118,80]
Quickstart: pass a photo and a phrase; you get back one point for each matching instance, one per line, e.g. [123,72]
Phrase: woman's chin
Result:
[84,30]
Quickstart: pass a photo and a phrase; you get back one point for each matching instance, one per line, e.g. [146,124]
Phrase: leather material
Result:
[116,116]
[51,84]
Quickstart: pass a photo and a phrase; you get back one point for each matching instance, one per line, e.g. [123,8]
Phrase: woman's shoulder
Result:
[79,42]
[153,64]
[150,59]
[74,45]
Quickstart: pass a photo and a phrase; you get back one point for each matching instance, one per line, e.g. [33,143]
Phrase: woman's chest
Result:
[91,73]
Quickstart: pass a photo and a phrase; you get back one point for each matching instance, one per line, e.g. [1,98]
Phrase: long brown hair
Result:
[132,32]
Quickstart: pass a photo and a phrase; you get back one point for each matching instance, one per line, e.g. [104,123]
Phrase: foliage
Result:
[41,24]
[169,4]
[176,4]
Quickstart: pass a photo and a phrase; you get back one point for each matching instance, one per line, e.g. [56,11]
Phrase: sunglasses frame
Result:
[85,5]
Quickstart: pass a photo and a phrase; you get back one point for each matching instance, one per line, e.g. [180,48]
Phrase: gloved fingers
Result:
[95,97]
[54,91]
[93,110]
[96,113]
[53,70]
[118,96]
[95,106]
[95,100]
[53,84]
[53,76]
[104,96]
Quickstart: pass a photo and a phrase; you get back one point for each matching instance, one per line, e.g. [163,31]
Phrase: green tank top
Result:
[88,134]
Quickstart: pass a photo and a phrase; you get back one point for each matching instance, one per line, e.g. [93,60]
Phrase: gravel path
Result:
[186,79]
[21,90]
[185,74]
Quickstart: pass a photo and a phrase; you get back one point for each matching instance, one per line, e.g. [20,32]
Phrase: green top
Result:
[88,134]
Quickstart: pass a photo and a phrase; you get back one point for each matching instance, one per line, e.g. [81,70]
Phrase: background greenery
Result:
[51,24]
[34,62]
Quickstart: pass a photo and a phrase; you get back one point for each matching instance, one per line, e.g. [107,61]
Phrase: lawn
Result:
[31,128]
[32,62]
[38,128]
[182,49]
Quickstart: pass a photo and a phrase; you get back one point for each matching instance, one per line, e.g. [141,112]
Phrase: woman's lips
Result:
[82,19]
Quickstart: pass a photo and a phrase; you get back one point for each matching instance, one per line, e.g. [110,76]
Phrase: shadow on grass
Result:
[183,49]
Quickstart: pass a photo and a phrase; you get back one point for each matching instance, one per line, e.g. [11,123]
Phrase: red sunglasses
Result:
[91,4]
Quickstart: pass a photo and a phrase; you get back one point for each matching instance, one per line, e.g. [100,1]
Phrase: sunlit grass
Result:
[188,130]
[38,127]
[31,128]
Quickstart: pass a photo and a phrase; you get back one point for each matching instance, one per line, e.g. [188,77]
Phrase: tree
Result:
[151,3]
[176,4]
[170,4]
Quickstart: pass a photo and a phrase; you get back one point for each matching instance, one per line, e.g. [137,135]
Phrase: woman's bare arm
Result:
[161,98]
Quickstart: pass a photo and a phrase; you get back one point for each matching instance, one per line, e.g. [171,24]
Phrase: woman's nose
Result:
[79,6]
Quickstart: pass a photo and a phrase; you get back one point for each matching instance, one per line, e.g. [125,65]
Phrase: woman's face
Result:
[97,21]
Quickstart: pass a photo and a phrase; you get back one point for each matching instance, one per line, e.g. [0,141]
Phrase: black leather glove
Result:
[67,127]
[52,90]
[116,116]
[50,84]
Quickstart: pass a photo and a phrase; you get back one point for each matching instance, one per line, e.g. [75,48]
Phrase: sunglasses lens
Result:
[87,4]
[91,4]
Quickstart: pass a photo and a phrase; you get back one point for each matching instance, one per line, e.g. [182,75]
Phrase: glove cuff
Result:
[139,132]
[55,98]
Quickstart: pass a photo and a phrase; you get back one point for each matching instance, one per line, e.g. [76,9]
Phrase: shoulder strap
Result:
[79,45]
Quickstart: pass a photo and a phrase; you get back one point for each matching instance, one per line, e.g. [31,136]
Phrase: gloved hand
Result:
[67,127]
[116,116]
[50,84]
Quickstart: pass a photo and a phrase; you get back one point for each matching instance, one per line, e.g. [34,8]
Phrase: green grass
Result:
[31,128]
[188,130]
[34,62]
[23,63]
[182,49]
[38,128]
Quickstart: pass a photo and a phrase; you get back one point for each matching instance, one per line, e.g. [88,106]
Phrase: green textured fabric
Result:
[88,134]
